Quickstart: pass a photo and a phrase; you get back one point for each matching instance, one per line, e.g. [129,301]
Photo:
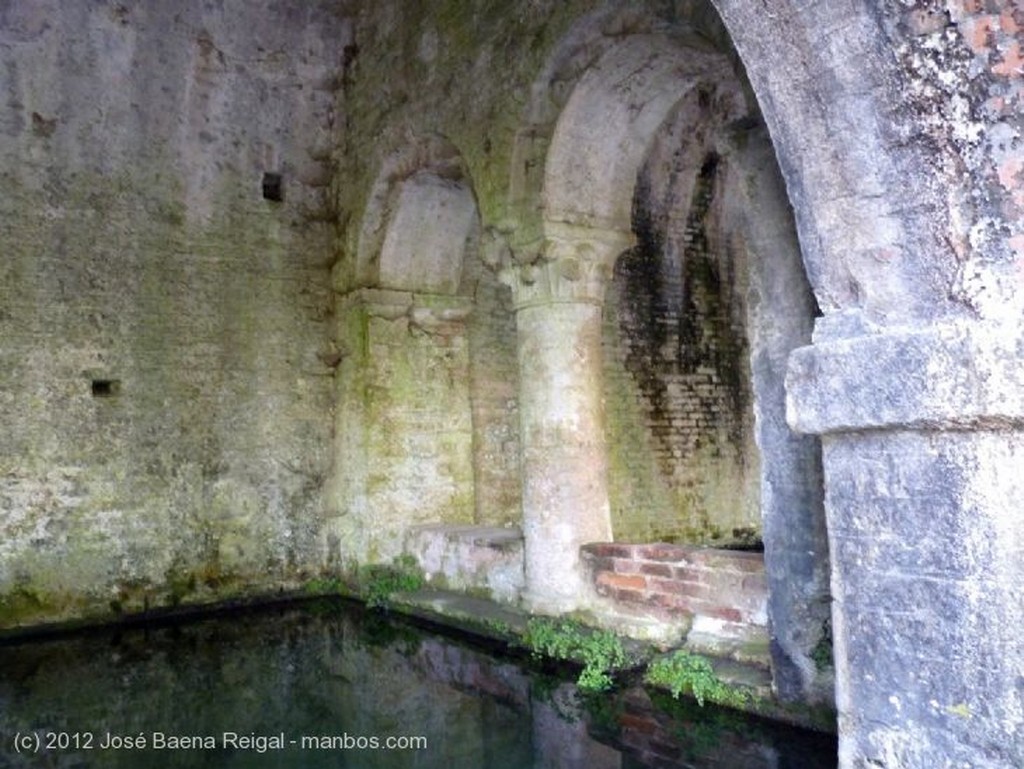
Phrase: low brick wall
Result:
[722,592]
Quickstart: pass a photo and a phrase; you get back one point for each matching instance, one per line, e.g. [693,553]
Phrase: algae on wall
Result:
[161,384]
[403,450]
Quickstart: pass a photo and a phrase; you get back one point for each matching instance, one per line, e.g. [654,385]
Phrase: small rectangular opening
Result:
[105,388]
[273,187]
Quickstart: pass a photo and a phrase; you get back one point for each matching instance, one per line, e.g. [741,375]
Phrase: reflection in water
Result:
[318,684]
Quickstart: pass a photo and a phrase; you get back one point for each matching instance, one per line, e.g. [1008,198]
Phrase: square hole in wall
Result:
[106,388]
[273,187]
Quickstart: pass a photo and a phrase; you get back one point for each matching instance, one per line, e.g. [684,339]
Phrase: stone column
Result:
[923,451]
[558,303]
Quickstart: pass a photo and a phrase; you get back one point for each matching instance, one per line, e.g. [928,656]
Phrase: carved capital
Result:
[575,266]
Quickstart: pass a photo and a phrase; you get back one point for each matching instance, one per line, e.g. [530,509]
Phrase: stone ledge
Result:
[484,559]
[394,303]
[507,624]
[966,375]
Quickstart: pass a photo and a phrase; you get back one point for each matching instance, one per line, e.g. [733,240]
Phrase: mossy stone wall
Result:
[162,386]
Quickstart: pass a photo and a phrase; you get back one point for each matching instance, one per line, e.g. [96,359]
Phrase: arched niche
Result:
[425,416]
[427,236]
[419,220]
[606,129]
[403,413]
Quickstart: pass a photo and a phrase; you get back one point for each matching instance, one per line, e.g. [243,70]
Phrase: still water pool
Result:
[325,684]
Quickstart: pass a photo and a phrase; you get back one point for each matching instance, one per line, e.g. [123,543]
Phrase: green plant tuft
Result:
[686,673]
[599,651]
[821,654]
[324,585]
[380,582]
[498,627]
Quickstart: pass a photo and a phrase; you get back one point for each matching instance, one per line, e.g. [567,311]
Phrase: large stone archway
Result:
[890,124]
[915,398]
[668,81]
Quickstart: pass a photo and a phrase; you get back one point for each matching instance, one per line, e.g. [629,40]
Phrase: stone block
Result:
[486,559]
[903,380]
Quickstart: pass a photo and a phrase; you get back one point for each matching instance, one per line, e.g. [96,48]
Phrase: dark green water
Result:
[318,684]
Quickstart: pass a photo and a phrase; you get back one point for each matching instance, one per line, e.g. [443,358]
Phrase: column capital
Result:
[964,375]
[574,265]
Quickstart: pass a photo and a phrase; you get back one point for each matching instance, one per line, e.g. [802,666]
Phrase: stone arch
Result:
[623,91]
[883,243]
[605,130]
[891,145]
[419,219]
[697,26]
[426,348]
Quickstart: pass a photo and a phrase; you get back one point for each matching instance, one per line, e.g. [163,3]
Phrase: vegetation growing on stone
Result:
[599,651]
[375,583]
[499,627]
[379,582]
[685,673]
[324,585]
[821,654]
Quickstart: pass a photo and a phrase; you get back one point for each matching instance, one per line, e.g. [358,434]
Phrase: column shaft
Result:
[565,476]
[558,302]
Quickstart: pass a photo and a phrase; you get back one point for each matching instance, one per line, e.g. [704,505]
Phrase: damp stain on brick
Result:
[680,322]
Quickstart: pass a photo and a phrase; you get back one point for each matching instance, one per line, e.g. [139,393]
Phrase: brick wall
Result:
[723,591]
[680,423]
[494,394]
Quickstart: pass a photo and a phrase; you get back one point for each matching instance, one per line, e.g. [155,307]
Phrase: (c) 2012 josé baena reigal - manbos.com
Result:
[38,742]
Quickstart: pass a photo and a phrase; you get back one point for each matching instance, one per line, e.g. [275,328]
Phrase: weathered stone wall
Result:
[164,406]
[494,397]
[481,560]
[166,411]
[399,127]
[904,195]
[926,539]
[425,417]
[403,423]
[897,127]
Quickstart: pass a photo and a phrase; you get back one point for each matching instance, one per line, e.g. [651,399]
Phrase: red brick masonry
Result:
[680,581]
